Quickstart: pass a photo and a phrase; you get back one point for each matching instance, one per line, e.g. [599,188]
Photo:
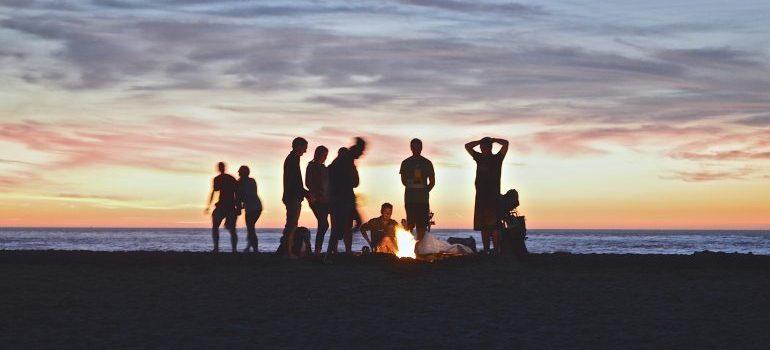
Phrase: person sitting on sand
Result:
[383,230]
[226,208]
[251,204]
[488,169]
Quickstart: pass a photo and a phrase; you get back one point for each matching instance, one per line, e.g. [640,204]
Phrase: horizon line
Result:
[447,228]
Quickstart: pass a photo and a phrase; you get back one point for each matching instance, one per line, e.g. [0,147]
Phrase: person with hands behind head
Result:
[488,172]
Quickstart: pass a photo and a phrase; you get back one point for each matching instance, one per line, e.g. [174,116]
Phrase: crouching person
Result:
[383,231]
[301,245]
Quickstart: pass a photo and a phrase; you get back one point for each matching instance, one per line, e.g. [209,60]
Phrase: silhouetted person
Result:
[488,172]
[383,230]
[301,244]
[357,150]
[317,181]
[226,208]
[293,191]
[418,178]
[251,203]
[343,178]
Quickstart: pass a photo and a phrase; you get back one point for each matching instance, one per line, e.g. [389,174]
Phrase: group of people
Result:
[330,192]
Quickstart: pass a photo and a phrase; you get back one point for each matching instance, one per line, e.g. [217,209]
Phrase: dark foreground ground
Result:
[55,299]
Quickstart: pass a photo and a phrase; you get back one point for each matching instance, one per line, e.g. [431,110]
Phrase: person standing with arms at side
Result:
[418,178]
[488,172]
[251,203]
[293,191]
[341,183]
[317,182]
[226,208]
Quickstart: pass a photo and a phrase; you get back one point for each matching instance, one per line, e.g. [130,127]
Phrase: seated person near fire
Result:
[383,230]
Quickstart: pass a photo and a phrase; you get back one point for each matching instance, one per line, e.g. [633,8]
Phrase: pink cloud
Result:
[165,143]
[571,143]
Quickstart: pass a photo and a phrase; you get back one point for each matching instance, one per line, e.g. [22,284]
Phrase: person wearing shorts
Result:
[226,208]
[418,178]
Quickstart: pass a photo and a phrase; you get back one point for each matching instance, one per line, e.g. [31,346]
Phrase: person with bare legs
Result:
[488,171]
[226,208]
[343,178]
[251,203]
[418,178]
[293,191]
[317,182]
[383,230]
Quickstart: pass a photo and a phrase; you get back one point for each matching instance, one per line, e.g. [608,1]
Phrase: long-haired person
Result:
[317,182]
[251,204]
[488,171]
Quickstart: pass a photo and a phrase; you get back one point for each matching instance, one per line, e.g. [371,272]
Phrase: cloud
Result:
[507,9]
[172,145]
[757,120]
[78,196]
[725,155]
[711,57]
[571,143]
[711,175]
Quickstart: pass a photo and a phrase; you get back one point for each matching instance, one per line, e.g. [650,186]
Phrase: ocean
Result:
[540,241]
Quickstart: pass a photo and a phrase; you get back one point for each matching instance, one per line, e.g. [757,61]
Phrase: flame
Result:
[405,243]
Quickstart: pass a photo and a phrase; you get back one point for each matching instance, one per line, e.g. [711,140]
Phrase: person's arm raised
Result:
[504,148]
[470,147]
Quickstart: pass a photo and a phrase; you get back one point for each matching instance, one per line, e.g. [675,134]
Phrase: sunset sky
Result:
[622,114]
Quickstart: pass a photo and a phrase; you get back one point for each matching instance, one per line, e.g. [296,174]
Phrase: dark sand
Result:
[55,299]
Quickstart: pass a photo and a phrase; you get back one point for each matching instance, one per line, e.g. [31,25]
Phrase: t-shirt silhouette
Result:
[416,169]
[249,196]
[380,229]
[293,190]
[227,187]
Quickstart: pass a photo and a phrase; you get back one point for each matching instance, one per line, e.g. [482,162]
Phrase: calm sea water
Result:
[540,241]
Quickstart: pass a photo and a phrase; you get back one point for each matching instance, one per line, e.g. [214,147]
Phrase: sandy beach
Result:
[61,299]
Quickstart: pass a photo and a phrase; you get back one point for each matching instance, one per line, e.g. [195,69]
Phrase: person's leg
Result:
[216,220]
[410,216]
[496,241]
[292,220]
[251,236]
[230,225]
[321,212]
[335,235]
[347,230]
[423,215]
[485,240]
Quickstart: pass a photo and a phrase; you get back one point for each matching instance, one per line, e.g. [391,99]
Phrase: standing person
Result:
[317,182]
[488,171]
[293,191]
[418,178]
[343,178]
[226,208]
[251,203]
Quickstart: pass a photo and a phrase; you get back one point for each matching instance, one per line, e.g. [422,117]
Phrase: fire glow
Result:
[405,243]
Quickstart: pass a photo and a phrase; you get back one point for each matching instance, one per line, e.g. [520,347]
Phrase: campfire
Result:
[405,243]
